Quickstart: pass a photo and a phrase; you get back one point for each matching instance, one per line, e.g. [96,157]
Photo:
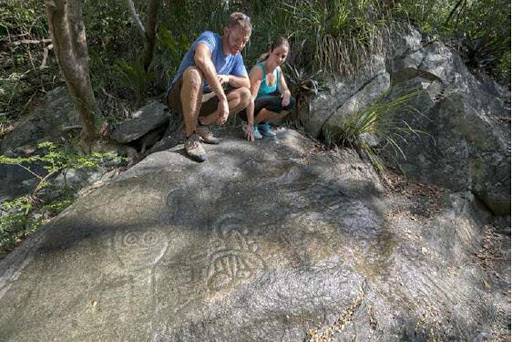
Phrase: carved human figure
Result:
[139,251]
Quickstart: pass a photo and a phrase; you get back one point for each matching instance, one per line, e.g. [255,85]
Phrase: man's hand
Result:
[223,108]
[223,79]
[285,96]
[249,133]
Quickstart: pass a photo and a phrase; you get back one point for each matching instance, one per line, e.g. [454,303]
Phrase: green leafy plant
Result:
[55,159]
[134,77]
[6,126]
[480,30]
[171,50]
[25,64]
[379,121]
[25,214]
[302,83]
[335,35]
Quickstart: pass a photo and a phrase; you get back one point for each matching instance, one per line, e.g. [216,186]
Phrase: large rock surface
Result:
[271,241]
[468,144]
[50,122]
[468,147]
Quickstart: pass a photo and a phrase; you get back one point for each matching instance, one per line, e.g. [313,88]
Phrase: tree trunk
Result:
[149,44]
[148,33]
[68,36]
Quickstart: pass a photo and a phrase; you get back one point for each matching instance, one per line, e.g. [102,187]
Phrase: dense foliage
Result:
[335,35]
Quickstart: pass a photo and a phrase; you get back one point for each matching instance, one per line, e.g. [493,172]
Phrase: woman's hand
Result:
[285,96]
[249,133]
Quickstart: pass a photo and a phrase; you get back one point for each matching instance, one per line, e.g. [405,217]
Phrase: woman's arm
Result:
[249,134]
[255,77]
[283,89]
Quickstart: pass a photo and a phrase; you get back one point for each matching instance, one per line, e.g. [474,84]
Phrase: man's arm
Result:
[234,81]
[239,81]
[203,60]
[237,77]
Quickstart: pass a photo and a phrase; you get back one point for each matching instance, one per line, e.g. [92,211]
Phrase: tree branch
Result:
[30,41]
[136,18]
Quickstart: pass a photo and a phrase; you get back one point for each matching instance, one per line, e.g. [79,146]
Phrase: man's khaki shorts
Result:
[209,101]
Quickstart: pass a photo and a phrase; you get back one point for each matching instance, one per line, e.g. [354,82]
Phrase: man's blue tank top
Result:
[264,88]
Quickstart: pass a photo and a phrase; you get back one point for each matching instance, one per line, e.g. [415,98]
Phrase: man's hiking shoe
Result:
[194,149]
[255,133]
[207,135]
[265,130]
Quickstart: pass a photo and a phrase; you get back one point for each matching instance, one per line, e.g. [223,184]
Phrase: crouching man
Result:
[211,83]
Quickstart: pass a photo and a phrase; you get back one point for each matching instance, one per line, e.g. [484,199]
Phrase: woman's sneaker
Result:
[256,132]
[265,130]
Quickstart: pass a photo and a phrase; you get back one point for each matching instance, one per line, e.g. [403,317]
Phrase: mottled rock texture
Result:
[276,240]
[466,145]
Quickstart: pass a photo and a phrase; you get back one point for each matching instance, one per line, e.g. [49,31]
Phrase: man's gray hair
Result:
[240,19]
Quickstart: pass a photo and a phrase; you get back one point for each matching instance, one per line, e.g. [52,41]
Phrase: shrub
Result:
[378,121]
[336,35]
[480,30]
[134,77]
[25,214]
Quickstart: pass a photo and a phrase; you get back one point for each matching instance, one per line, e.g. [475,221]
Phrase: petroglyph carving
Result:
[139,248]
[233,255]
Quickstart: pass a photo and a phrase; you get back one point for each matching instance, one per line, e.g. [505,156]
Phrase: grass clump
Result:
[336,36]
[378,127]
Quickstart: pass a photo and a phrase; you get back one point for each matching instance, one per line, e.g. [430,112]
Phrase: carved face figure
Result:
[140,247]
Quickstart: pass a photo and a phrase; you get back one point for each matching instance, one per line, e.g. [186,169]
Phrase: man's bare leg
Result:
[238,99]
[191,94]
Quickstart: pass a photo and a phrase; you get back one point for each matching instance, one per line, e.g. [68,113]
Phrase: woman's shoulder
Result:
[257,70]
[259,65]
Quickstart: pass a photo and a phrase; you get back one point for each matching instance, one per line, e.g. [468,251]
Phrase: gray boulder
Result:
[467,146]
[365,96]
[266,241]
[341,97]
[50,122]
[146,119]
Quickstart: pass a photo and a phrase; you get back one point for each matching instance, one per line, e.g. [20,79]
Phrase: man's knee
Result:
[193,78]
